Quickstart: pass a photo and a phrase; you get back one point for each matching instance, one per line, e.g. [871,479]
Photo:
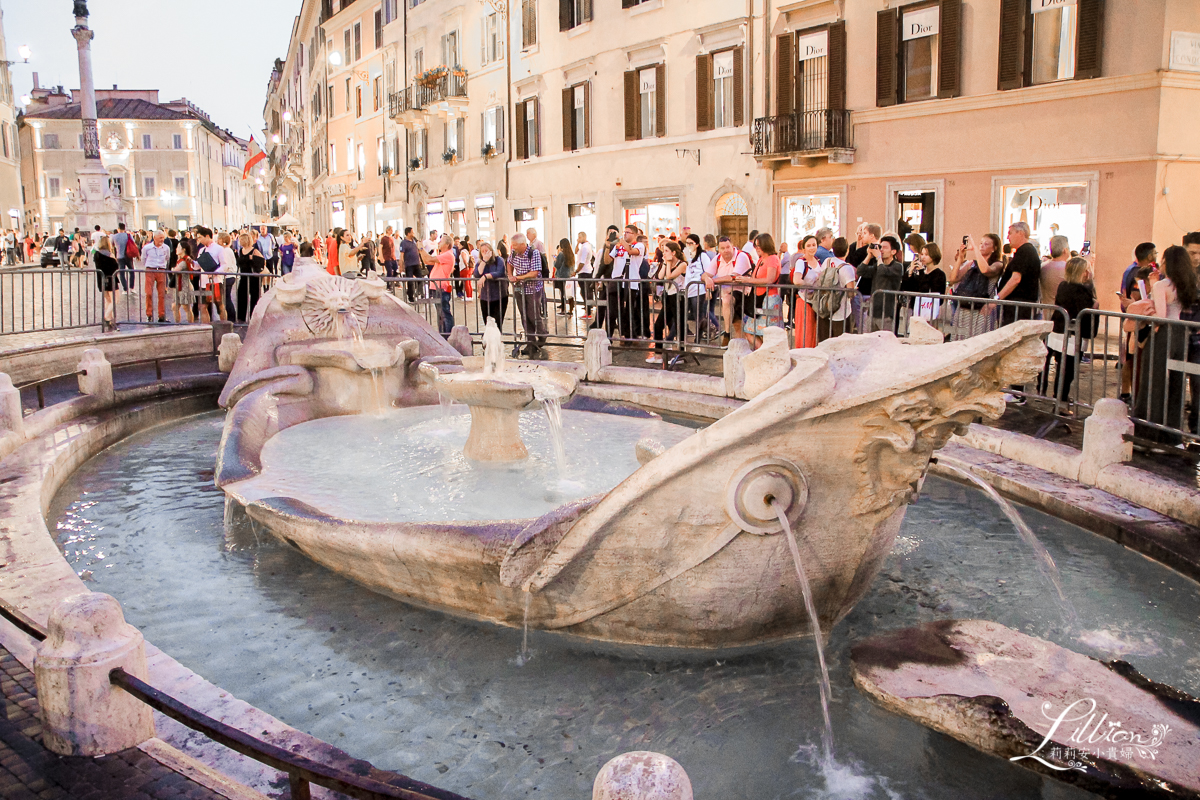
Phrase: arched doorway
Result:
[732,218]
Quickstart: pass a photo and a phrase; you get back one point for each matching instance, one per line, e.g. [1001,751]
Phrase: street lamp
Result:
[282,199]
[335,58]
[23,52]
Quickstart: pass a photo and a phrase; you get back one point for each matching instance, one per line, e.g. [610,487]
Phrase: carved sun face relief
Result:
[333,303]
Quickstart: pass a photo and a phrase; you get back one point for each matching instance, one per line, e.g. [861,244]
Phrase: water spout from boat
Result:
[1042,557]
[811,608]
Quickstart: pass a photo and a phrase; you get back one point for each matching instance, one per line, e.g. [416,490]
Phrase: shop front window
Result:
[435,218]
[535,218]
[485,217]
[654,218]
[458,218]
[1049,210]
[583,220]
[805,214]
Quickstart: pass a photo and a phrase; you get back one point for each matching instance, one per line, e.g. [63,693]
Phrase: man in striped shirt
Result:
[525,274]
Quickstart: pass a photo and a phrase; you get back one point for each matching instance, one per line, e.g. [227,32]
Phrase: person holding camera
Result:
[881,270]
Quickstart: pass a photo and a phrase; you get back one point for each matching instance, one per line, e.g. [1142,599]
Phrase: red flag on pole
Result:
[256,155]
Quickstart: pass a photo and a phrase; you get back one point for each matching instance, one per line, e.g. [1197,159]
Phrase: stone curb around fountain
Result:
[1168,541]
[27,364]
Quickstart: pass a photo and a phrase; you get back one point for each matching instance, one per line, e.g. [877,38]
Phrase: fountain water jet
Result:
[810,606]
[496,395]
[1045,562]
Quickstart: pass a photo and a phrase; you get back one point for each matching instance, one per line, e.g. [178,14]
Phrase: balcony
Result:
[440,91]
[804,135]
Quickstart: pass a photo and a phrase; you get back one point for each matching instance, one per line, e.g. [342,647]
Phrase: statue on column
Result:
[81,9]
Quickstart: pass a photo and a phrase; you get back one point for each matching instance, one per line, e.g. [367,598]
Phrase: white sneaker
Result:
[653,360]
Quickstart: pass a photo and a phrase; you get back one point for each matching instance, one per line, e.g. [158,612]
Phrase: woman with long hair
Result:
[491,283]
[564,270]
[974,274]
[1075,294]
[106,271]
[806,271]
[671,318]
[250,264]
[1160,397]
[767,307]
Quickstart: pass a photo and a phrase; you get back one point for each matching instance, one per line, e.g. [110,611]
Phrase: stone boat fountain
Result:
[682,549]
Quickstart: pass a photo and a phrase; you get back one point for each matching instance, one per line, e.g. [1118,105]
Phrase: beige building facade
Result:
[1078,117]
[169,166]
[951,117]
[10,156]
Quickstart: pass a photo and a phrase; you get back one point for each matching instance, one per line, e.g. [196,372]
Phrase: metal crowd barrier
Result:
[35,300]
[157,297]
[1151,363]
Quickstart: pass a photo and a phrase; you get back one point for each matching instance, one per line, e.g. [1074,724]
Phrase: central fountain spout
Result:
[496,397]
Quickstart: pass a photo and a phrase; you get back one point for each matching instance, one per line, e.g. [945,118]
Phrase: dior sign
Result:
[812,45]
[921,23]
[1049,5]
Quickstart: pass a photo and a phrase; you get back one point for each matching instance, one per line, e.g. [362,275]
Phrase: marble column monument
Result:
[92,203]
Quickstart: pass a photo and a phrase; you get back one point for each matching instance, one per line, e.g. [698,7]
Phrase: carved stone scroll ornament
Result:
[903,434]
[331,303]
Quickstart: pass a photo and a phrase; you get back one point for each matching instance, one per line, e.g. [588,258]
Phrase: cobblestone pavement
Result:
[28,770]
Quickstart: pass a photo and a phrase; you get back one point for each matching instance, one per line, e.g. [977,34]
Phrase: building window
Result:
[1050,209]
[347,51]
[1054,33]
[719,87]
[1043,41]
[362,161]
[576,116]
[81,141]
[417,140]
[528,129]
[4,137]
[147,143]
[450,137]
[378,28]
[572,13]
[358,100]
[389,12]
[493,129]
[418,61]
[348,109]
[180,186]
[492,38]
[918,52]
[645,103]
[450,56]
[377,92]
[332,157]
[805,214]
[54,187]
[528,23]
[116,185]
[330,104]
[177,141]
[50,141]
[349,155]
[148,186]
[919,62]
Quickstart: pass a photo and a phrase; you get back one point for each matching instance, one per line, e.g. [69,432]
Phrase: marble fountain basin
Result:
[683,551]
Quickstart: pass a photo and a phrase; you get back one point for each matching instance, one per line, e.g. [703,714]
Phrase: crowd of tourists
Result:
[659,292]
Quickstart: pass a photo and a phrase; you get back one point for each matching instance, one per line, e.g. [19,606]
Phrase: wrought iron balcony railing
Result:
[450,85]
[802,132]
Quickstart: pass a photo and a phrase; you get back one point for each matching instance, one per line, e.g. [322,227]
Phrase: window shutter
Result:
[519,127]
[886,57]
[632,107]
[537,126]
[704,93]
[950,49]
[837,66]
[1011,73]
[587,114]
[564,15]
[587,11]
[501,130]
[739,91]
[1089,39]
[483,41]
[528,23]
[568,117]
[660,100]
[785,73]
